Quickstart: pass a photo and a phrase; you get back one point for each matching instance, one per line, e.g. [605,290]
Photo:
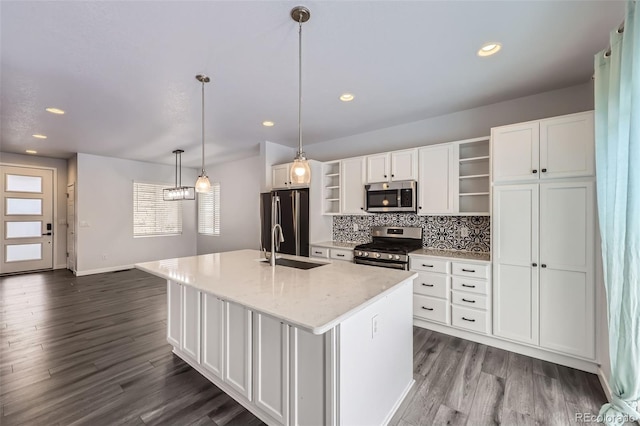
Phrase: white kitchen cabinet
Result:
[392,166]
[174,313]
[271,366]
[191,322]
[557,147]
[308,366]
[238,348]
[543,265]
[566,260]
[378,168]
[213,335]
[437,180]
[515,252]
[280,176]
[352,180]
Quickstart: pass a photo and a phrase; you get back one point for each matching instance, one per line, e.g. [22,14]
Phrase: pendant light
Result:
[203,184]
[300,173]
[179,192]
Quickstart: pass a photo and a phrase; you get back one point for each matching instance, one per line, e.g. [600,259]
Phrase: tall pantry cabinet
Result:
[543,233]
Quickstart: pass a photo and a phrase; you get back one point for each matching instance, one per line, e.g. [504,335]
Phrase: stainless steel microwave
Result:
[391,197]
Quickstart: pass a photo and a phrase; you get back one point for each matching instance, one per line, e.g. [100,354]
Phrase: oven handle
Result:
[382,264]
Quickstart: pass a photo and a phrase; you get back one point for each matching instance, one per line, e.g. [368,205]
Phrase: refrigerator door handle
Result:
[296,220]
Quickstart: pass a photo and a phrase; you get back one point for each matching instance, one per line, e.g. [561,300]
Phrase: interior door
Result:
[27,219]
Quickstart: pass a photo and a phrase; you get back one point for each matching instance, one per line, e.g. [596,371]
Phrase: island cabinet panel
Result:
[191,322]
[271,366]
[238,348]
[213,335]
[310,377]
[174,313]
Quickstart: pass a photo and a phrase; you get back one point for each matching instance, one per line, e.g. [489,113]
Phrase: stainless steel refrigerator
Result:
[293,216]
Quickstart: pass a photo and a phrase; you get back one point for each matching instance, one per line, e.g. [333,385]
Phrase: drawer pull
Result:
[468,286]
[468,270]
[427,285]
[427,309]
[427,266]
[467,319]
[317,252]
[468,301]
[340,255]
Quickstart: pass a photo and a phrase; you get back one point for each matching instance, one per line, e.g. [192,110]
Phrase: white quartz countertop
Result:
[335,244]
[453,254]
[316,299]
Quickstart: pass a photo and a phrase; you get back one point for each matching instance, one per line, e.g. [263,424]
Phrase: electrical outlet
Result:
[374,326]
[355,227]
[464,232]
[105,256]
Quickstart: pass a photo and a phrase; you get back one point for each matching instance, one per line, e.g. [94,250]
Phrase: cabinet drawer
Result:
[471,319]
[436,285]
[472,270]
[468,284]
[319,252]
[469,300]
[429,265]
[342,254]
[431,309]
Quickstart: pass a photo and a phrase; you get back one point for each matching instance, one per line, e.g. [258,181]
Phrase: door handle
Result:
[48,233]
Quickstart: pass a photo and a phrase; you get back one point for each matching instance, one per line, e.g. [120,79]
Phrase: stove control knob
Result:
[365,254]
[359,253]
[397,257]
[376,255]
[390,256]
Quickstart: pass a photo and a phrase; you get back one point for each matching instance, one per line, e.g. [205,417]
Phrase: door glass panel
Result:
[18,252]
[24,229]
[18,183]
[28,206]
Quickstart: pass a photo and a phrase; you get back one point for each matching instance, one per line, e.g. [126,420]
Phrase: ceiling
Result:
[124,72]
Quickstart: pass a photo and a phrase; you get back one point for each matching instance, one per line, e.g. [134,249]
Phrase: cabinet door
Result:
[213,335]
[191,322]
[566,274]
[174,313]
[567,146]
[515,152]
[515,250]
[378,168]
[436,184]
[271,366]
[352,185]
[280,176]
[309,371]
[238,350]
[404,165]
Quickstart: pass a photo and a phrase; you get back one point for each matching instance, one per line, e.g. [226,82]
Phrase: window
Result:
[209,211]
[151,215]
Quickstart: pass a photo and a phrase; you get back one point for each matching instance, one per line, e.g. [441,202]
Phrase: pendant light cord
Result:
[300,153]
[175,152]
[203,172]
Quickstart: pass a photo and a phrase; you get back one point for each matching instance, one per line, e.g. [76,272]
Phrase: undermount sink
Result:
[298,264]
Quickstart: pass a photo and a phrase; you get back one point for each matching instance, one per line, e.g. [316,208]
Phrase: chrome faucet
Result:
[272,257]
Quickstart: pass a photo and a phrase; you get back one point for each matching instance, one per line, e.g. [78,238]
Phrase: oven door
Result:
[383,264]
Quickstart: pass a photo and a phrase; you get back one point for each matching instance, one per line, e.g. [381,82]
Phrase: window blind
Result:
[209,211]
[152,215]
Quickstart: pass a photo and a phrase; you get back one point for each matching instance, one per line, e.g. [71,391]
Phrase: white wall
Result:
[240,183]
[60,213]
[272,154]
[457,126]
[105,214]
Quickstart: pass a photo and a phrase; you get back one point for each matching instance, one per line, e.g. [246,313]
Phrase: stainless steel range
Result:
[390,247]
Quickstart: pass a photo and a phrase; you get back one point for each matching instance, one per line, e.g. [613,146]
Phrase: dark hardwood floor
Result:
[93,350]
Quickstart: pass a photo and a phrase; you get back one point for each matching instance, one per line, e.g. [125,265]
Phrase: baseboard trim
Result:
[60,266]
[605,384]
[485,339]
[103,270]
[395,407]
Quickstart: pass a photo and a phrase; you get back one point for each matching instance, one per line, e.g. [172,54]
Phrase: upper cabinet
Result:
[280,176]
[352,176]
[392,166]
[437,179]
[552,148]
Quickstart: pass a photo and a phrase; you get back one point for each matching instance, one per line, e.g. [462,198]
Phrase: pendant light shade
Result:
[179,192]
[203,184]
[300,173]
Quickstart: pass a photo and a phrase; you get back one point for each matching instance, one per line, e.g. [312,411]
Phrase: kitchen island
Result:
[330,345]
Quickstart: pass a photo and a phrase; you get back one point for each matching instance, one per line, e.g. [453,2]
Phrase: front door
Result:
[27,219]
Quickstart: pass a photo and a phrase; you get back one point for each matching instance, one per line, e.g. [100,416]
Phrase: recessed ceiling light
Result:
[39,136]
[489,49]
[346,97]
[31,151]
[55,110]
[268,123]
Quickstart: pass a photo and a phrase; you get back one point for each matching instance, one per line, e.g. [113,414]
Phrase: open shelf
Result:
[475,176]
[473,159]
[467,194]
[474,184]
[331,187]
[332,174]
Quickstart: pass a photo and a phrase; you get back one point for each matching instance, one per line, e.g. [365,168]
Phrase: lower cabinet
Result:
[238,350]
[174,314]
[191,322]
[333,253]
[213,335]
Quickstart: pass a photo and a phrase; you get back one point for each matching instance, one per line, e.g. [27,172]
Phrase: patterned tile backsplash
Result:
[441,232]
